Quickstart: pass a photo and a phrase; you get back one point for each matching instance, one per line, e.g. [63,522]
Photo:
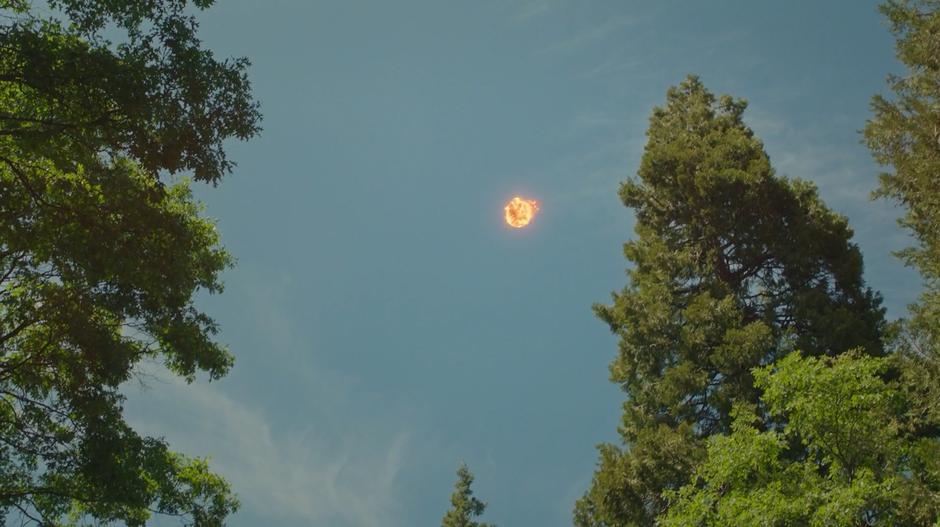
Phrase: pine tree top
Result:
[464,506]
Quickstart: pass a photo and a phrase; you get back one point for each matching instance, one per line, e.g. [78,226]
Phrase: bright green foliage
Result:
[857,467]
[100,259]
[734,268]
[904,135]
[464,506]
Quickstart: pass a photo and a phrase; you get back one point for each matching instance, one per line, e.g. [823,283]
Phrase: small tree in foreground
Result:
[464,506]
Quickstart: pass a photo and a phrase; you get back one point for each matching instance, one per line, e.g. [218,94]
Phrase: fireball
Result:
[520,211]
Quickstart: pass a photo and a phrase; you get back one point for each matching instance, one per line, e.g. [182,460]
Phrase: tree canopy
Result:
[101,254]
[734,268]
[72,96]
[839,429]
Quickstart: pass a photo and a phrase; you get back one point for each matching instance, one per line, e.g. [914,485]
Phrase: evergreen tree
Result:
[733,268]
[904,136]
[464,506]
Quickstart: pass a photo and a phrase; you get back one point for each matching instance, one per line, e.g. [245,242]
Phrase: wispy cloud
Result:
[592,34]
[306,451]
[535,8]
[297,473]
[616,66]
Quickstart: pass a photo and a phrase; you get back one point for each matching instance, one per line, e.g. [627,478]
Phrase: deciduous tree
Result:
[101,252]
[857,465]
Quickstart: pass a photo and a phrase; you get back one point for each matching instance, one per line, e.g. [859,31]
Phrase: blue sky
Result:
[386,324]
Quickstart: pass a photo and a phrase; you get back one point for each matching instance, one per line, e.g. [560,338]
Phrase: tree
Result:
[101,253]
[858,463]
[734,268]
[904,135]
[464,506]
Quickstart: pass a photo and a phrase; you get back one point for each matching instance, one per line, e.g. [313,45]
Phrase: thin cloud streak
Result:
[290,474]
[536,8]
[296,460]
[593,34]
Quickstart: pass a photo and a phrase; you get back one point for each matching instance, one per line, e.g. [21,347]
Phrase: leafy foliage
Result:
[70,95]
[734,268]
[100,258]
[858,467]
[464,506]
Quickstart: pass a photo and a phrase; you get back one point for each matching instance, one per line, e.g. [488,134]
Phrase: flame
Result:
[520,211]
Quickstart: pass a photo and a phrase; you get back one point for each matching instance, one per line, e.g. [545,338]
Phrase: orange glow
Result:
[520,211]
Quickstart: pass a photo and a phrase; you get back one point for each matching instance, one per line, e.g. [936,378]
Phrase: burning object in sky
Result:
[520,211]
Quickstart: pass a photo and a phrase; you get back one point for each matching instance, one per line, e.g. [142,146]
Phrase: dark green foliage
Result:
[858,465]
[70,96]
[905,131]
[904,136]
[464,506]
[734,268]
[100,258]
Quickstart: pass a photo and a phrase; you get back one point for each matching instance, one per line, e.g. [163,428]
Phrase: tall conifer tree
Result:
[733,268]
[904,136]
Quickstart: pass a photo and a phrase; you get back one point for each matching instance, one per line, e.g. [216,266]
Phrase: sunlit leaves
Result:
[858,468]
